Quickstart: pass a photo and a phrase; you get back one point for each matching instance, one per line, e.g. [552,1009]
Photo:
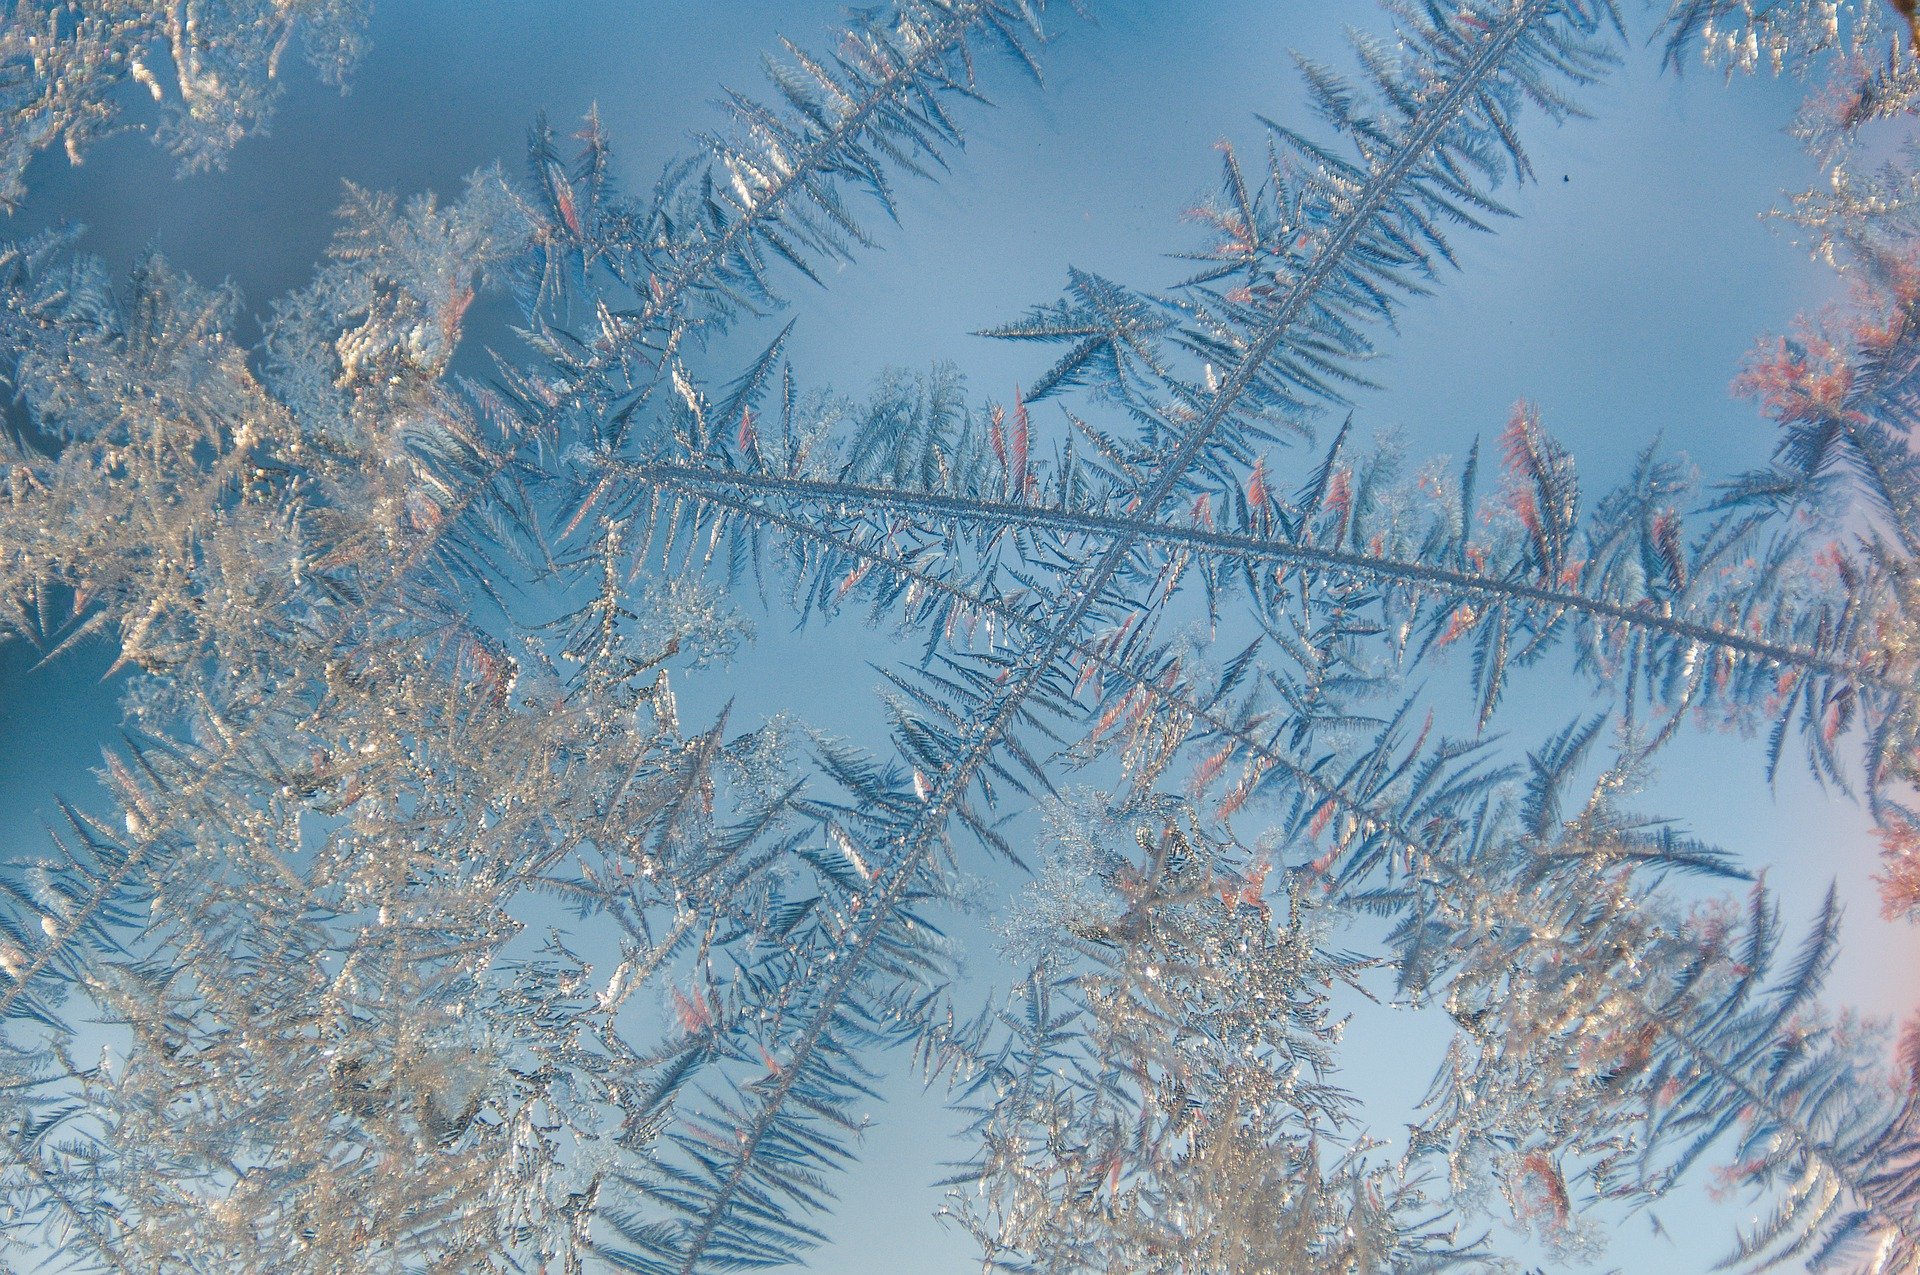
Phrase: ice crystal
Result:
[428,934]
[212,68]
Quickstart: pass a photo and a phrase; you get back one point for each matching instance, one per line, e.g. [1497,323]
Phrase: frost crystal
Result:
[430,931]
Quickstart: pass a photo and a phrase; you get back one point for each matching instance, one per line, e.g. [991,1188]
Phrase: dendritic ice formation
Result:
[427,936]
[212,67]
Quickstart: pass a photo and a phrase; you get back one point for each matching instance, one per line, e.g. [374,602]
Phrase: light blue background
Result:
[1621,302]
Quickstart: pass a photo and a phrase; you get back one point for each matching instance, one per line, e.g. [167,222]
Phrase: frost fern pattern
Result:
[427,935]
